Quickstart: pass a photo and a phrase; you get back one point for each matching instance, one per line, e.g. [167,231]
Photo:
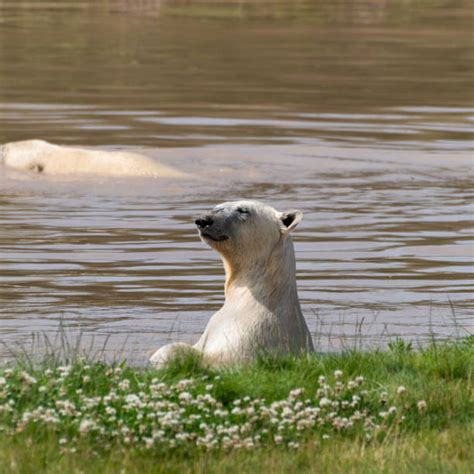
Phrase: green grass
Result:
[439,439]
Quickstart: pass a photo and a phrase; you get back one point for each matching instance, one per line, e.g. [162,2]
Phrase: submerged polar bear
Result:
[44,157]
[261,313]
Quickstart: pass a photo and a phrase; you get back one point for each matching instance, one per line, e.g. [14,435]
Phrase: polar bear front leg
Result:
[169,352]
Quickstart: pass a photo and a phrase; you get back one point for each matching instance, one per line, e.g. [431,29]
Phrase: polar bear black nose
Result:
[204,221]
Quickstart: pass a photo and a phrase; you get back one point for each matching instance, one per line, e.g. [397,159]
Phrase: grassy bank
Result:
[395,411]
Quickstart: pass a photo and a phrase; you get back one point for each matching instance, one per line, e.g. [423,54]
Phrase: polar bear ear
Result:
[290,220]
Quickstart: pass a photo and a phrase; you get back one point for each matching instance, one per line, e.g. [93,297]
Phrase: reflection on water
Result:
[233,60]
[361,117]
[437,128]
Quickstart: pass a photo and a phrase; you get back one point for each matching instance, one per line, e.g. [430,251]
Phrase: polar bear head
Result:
[246,233]
[26,154]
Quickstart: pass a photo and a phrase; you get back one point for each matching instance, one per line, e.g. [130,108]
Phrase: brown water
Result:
[360,115]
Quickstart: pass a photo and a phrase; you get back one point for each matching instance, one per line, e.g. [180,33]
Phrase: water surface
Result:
[361,116]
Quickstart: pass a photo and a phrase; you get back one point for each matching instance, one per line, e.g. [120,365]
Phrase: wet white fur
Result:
[261,313]
[41,156]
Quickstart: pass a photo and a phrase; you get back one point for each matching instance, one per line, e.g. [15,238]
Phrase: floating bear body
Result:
[43,157]
[261,313]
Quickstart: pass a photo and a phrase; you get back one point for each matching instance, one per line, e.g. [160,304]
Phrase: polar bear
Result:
[261,313]
[43,157]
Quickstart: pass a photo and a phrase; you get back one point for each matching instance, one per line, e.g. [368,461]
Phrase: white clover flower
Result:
[185,397]
[296,393]
[124,385]
[304,424]
[185,383]
[65,407]
[421,406]
[158,435]
[298,406]
[27,378]
[324,402]
[64,370]
[320,393]
[249,443]
[383,398]
[227,442]
[233,430]
[401,390]
[85,426]
[209,425]
[322,380]
[149,442]
[125,430]
[359,380]
[278,439]
[356,416]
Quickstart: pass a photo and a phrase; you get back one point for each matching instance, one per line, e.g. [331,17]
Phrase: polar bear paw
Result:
[169,352]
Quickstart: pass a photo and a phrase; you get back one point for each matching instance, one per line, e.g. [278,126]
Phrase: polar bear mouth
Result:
[218,238]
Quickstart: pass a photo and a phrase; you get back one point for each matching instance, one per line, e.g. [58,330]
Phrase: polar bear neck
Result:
[269,282]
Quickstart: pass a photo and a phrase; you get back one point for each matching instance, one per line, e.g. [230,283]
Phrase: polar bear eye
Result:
[243,210]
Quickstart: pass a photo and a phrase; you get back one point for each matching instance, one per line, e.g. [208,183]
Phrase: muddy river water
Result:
[360,115]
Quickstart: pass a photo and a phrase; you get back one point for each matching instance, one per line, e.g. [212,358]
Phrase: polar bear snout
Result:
[209,230]
[204,221]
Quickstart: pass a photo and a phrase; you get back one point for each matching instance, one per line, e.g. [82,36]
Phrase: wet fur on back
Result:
[39,156]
